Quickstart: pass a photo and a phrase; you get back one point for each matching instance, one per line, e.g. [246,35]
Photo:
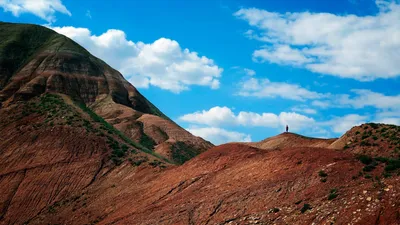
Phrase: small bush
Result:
[392,164]
[369,168]
[322,173]
[367,176]
[305,208]
[333,194]
[374,125]
[117,161]
[365,136]
[365,159]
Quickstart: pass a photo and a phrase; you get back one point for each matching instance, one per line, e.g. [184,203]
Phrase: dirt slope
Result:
[35,60]
[239,184]
[52,149]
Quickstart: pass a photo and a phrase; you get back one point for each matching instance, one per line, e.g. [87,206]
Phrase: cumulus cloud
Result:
[219,136]
[345,123]
[44,9]
[163,63]
[224,116]
[359,47]
[264,88]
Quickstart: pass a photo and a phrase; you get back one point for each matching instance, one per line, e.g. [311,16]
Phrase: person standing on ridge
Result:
[287,128]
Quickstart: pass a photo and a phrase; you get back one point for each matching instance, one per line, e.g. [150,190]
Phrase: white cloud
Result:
[249,72]
[263,88]
[44,9]
[219,136]
[213,117]
[369,98]
[162,63]
[281,54]
[362,98]
[359,47]
[218,116]
[344,123]
[304,109]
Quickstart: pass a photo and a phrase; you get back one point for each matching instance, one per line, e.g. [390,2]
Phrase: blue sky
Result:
[241,70]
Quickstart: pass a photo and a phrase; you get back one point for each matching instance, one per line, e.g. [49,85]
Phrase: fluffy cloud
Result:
[363,48]
[263,88]
[362,98]
[220,116]
[344,123]
[368,98]
[219,136]
[162,63]
[44,9]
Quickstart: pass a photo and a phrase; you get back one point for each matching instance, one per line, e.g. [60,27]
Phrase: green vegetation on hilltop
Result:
[58,113]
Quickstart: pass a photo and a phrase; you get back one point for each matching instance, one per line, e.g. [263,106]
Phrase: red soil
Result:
[238,184]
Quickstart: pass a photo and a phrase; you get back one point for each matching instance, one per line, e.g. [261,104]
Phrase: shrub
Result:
[392,164]
[365,159]
[333,194]
[322,173]
[155,163]
[305,208]
[369,168]
[117,161]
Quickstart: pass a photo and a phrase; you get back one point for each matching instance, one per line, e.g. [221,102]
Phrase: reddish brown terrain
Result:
[80,145]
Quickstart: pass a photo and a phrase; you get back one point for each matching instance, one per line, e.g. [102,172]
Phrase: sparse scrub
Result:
[305,208]
[365,159]
[333,194]
[322,173]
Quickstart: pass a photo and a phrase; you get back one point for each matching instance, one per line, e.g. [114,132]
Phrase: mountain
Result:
[80,145]
[36,60]
[67,120]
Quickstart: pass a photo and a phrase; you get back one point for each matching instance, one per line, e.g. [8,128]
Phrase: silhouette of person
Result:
[287,128]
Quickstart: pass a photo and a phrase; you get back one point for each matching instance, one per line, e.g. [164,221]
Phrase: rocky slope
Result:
[35,60]
[371,139]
